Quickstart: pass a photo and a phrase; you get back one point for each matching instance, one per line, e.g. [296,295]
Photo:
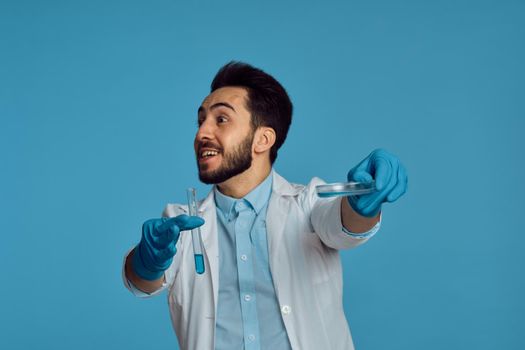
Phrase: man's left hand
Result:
[390,177]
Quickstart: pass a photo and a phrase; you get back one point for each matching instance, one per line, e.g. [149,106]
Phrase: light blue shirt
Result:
[248,313]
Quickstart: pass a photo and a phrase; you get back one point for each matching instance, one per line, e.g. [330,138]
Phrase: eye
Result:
[221,119]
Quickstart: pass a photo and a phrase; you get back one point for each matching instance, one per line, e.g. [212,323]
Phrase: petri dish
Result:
[345,189]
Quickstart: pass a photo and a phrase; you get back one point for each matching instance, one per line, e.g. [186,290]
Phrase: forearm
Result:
[142,284]
[354,222]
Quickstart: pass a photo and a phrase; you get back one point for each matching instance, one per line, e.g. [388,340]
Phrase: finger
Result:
[373,202]
[401,186]
[383,173]
[166,237]
[169,251]
[163,233]
[150,233]
[184,222]
[189,222]
[361,176]
[362,166]
[363,203]
[168,223]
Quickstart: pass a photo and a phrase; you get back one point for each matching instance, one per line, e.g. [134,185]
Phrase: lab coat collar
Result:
[279,186]
[283,187]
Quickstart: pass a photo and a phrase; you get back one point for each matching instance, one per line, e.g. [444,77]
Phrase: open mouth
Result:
[208,154]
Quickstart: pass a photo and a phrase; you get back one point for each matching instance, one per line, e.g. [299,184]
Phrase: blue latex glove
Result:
[391,182]
[154,254]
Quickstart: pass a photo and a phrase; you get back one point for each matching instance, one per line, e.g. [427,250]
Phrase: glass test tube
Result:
[196,232]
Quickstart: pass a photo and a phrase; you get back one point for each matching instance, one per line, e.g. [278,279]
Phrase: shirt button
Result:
[244,257]
[285,309]
[247,297]
[251,337]
[239,206]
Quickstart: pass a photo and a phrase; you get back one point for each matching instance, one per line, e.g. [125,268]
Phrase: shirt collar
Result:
[256,198]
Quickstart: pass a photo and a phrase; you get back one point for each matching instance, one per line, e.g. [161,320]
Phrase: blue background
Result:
[98,105]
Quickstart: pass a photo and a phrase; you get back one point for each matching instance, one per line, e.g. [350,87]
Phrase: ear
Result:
[264,139]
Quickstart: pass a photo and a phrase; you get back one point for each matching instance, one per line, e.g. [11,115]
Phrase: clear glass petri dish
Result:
[345,189]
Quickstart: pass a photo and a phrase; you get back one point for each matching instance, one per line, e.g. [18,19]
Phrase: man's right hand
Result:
[154,254]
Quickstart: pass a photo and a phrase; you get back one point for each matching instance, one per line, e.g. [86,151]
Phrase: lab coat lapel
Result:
[276,222]
[208,212]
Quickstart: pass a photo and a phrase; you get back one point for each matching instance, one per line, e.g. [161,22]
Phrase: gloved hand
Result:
[391,182]
[154,254]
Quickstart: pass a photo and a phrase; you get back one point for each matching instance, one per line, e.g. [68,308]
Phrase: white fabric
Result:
[304,235]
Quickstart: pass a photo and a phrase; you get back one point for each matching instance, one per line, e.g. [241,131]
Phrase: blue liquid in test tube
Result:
[196,232]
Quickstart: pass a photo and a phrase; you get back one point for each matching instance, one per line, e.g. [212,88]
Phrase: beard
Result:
[234,162]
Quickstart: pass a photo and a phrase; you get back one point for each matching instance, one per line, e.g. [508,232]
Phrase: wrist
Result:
[368,213]
[355,222]
[143,265]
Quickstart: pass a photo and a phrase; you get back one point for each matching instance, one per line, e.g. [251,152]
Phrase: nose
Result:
[206,130]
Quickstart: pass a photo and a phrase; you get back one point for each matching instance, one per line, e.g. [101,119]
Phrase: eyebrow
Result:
[217,105]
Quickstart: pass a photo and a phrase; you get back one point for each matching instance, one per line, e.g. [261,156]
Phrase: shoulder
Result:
[304,195]
[286,188]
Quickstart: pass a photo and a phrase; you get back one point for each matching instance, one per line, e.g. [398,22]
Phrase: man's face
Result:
[223,144]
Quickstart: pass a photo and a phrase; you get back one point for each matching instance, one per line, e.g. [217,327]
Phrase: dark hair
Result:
[268,102]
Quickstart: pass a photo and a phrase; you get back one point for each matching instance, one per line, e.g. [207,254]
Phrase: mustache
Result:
[208,144]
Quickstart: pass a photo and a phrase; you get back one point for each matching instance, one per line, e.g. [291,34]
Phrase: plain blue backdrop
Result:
[98,104]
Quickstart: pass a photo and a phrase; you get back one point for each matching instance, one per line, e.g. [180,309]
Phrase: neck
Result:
[242,184]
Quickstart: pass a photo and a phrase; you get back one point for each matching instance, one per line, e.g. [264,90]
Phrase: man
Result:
[273,277]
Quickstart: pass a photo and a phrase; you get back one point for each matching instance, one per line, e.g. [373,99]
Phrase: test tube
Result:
[196,232]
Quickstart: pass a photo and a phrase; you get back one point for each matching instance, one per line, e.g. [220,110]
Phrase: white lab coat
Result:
[304,235]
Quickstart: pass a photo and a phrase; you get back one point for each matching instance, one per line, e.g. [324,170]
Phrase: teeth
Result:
[209,153]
